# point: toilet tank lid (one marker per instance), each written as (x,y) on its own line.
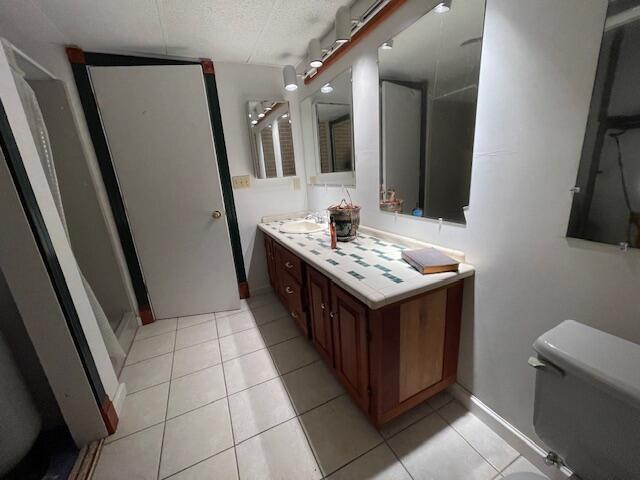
(596,356)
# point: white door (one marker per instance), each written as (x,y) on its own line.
(157,125)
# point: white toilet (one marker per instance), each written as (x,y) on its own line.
(587,402)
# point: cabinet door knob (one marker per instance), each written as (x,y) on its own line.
(288,265)
(288,290)
(294,314)
(322,306)
(332,315)
(216,214)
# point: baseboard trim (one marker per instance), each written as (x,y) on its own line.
(510,434)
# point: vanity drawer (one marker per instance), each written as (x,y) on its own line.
(293,297)
(290,263)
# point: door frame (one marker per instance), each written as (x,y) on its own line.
(79,61)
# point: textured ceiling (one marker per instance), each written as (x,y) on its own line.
(253,31)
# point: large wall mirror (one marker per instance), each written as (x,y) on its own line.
(269,124)
(428,92)
(606,202)
(327,130)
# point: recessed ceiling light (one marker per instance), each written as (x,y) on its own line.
(326,88)
(443,7)
(387,45)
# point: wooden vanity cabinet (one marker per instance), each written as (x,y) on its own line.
(390,359)
(318,287)
(286,272)
(351,345)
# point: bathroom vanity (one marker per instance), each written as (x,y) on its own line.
(389,333)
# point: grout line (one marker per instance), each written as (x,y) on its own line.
(412,423)
(150,358)
(136,340)
(201,461)
(195,371)
(196,408)
(297,416)
(510,463)
(255,325)
(467,441)
(166,411)
(147,388)
(226,391)
(200,342)
(398,458)
(356,458)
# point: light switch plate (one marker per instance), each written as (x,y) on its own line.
(241,181)
(296,183)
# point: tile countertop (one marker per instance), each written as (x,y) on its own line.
(370,267)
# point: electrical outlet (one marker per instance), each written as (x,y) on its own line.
(241,181)
(296,183)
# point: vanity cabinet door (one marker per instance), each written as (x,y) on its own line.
(350,344)
(294,300)
(319,305)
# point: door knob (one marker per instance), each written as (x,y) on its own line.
(216,214)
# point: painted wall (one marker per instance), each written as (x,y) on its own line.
(238,84)
(538,65)
(24,25)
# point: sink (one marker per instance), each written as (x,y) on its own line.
(301,226)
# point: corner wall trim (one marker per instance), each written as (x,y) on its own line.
(243,288)
(510,434)
(77,58)
(109,415)
(223,169)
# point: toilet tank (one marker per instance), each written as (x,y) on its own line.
(587,401)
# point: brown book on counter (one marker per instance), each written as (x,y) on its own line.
(430,260)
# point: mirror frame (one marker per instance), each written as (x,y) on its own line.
(253,146)
(312,152)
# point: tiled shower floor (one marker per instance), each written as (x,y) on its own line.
(242,395)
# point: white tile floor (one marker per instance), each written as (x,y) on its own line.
(242,395)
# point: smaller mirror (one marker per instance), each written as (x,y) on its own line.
(271,140)
(327,130)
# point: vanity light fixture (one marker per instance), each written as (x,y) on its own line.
(326,88)
(387,45)
(314,52)
(343,25)
(443,7)
(290,78)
